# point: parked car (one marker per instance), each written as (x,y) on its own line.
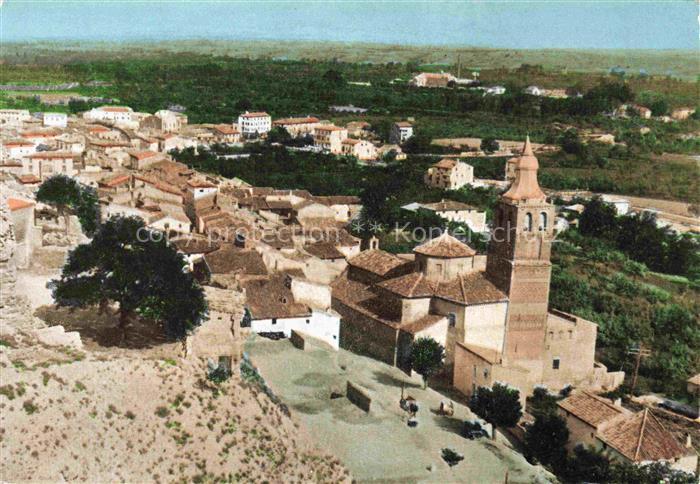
(473,430)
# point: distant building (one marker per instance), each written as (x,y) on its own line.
(494,91)
(14,117)
(57,120)
(622,206)
(347,109)
(361,149)
(252,124)
(113,114)
(48,163)
(226,133)
(432,79)
(534,91)
(449,174)
(297,127)
(329,137)
(400,132)
(16,149)
(459,212)
(622,435)
(680,114)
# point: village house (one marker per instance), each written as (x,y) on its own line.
(297,127)
(681,114)
(693,385)
(55,120)
(363,150)
(276,307)
(17,149)
(141,160)
(165,121)
(226,133)
(359,129)
(459,212)
(622,435)
(112,114)
(391,150)
(432,79)
(254,124)
(68,142)
(494,91)
(625,110)
(22,214)
(14,118)
(449,174)
(40,137)
(328,137)
(534,91)
(45,164)
(400,132)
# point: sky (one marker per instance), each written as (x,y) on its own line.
(530,24)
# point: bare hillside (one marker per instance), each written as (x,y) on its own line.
(70,415)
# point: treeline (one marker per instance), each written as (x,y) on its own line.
(642,240)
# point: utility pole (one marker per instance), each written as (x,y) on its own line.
(641,352)
(459,66)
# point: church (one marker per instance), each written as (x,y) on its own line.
(489,312)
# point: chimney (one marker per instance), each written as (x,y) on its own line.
(688,441)
(373,243)
(617,402)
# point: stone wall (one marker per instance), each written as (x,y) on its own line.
(358,396)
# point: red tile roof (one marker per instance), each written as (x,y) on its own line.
(445,246)
(590,408)
(285,121)
(115,109)
(641,438)
(142,155)
(18,204)
(115,181)
(29,179)
(52,154)
(259,114)
(376,261)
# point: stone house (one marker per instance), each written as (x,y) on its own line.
(681,114)
(361,149)
(297,127)
(400,132)
(55,120)
(449,174)
(226,133)
(432,79)
(17,149)
(459,212)
(141,160)
(328,137)
(693,385)
(624,436)
(14,117)
(45,164)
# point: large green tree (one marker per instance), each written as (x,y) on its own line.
(546,438)
(126,263)
(499,405)
(427,357)
(70,197)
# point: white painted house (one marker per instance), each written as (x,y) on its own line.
(254,124)
(113,114)
(55,120)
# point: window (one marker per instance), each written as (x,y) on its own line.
(274,320)
(528,222)
(486,373)
(555,364)
(543,221)
(452,318)
(439,268)
(571,334)
(307,321)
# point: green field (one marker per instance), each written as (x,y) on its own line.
(680,63)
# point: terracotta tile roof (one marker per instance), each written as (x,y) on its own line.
(590,408)
(271,298)
(422,324)
(446,163)
(695,380)
(226,129)
(18,204)
(328,127)
(28,179)
(11,164)
(229,260)
(199,183)
(403,124)
(445,246)
(350,141)
(259,114)
(338,200)
(142,155)
(525,185)
(279,204)
(18,143)
(470,289)
(195,245)
(361,298)
(641,437)
(307,120)
(115,109)
(98,129)
(324,250)
(39,134)
(115,181)
(448,206)
(376,261)
(297,193)
(413,285)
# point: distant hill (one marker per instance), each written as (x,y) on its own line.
(678,63)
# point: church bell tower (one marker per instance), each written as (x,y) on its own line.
(518,260)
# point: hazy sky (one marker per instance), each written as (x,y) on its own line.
(670,24)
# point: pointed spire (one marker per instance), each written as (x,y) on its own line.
(526,186)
